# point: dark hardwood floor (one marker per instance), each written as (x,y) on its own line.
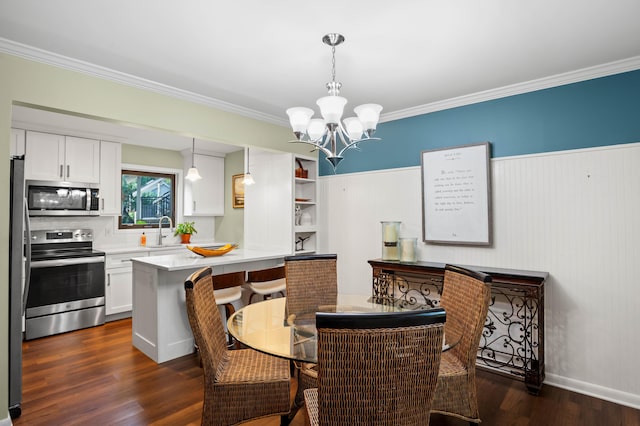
(95,376)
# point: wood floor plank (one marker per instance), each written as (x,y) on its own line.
(95,376)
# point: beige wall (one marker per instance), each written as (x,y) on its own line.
(145,156)
(230,227)
(41,85)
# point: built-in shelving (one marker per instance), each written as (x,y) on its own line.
(305,171)
(281,209)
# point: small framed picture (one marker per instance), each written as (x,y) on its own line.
(237,191)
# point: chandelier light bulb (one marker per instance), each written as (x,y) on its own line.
(369,114)
(354,128)
(317,128)
(331,108)
(299,118)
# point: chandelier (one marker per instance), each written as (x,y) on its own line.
(329,134)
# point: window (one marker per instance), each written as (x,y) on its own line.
(146,197)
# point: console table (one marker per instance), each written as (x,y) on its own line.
(512,341)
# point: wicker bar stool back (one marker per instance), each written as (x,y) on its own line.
(376,369)
(238,384)
(227,288)
(266,282)
(465,296)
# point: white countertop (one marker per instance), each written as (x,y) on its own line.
(152,247)
(190,260)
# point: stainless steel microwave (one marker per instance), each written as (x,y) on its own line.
(62,198)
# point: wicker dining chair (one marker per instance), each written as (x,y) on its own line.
(238,384)
(312,281)
(266,282)
(465,297)
(376,368)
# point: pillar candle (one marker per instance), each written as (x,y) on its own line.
(407,249)
(390,233)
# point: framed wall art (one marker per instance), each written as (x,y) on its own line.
(456,195)
(237,191)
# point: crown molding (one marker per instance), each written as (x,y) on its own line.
(54,59)
(49,58)
(611,68)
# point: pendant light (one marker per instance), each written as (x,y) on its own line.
(192,174)
(248,179)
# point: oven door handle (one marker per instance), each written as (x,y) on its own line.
(66,262)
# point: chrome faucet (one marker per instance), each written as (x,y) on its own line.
(160,236)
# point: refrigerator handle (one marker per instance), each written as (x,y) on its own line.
(27,266)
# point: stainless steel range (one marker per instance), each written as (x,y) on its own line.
(66,290)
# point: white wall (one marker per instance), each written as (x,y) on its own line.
(574,214)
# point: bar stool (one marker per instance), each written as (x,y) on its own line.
(267,282)
(227,288)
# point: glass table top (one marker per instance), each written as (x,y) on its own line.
(264,327)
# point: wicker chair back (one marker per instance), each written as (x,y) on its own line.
(312,281)
(385,375)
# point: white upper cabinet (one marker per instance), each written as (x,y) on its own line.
(17,142)
(205,197)
(62,158)
(110,176)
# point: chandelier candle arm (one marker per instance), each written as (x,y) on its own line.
(323,134)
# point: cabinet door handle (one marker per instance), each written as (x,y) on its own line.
(68,169)
(102,203)
(108,280)
(61,168)
(194,206)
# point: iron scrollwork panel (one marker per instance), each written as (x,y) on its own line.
(510,339)
(417,291)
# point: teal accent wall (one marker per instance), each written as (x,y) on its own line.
(598,112)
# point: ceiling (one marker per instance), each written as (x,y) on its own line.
(258,58)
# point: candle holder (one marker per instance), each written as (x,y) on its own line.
(408,250)
(390,232)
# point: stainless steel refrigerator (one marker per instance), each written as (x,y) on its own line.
(19,266)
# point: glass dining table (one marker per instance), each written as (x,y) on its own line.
(263,326)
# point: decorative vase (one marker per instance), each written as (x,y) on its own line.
(185,238)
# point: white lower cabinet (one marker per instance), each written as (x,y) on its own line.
(119,278)
(118,282)
(118,294)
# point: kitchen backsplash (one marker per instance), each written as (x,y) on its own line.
(106,233)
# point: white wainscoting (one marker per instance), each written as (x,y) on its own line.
(574,214)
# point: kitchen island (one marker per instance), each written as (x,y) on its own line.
(160,324)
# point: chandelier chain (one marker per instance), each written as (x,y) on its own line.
(333,63)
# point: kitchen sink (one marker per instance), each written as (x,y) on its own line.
(164,246)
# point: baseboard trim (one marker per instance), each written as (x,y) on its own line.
(6,421)
(597,391)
